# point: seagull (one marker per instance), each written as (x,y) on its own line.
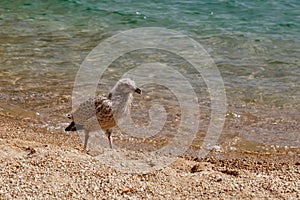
(106,110)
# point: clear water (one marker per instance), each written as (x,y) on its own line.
(255,44)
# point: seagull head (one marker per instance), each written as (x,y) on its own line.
(125,86)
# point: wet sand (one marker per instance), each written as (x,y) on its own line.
(38,163)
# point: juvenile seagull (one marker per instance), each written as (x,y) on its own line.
(104,110)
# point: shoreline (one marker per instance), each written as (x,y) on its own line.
(42,164)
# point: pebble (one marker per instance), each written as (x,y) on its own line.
(64,172)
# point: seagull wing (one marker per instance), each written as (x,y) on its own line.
(88,109)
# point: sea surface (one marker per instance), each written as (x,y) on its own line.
(255,45)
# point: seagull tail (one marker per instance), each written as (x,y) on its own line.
(74,127)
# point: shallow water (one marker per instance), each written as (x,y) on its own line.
(255,45)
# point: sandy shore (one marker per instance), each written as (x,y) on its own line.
(40,164)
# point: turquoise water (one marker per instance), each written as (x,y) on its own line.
(255,45)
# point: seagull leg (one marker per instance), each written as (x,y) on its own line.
(108,134)
(86,138)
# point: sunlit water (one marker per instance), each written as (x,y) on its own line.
(255,45)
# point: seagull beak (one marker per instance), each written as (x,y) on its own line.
(138,90)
